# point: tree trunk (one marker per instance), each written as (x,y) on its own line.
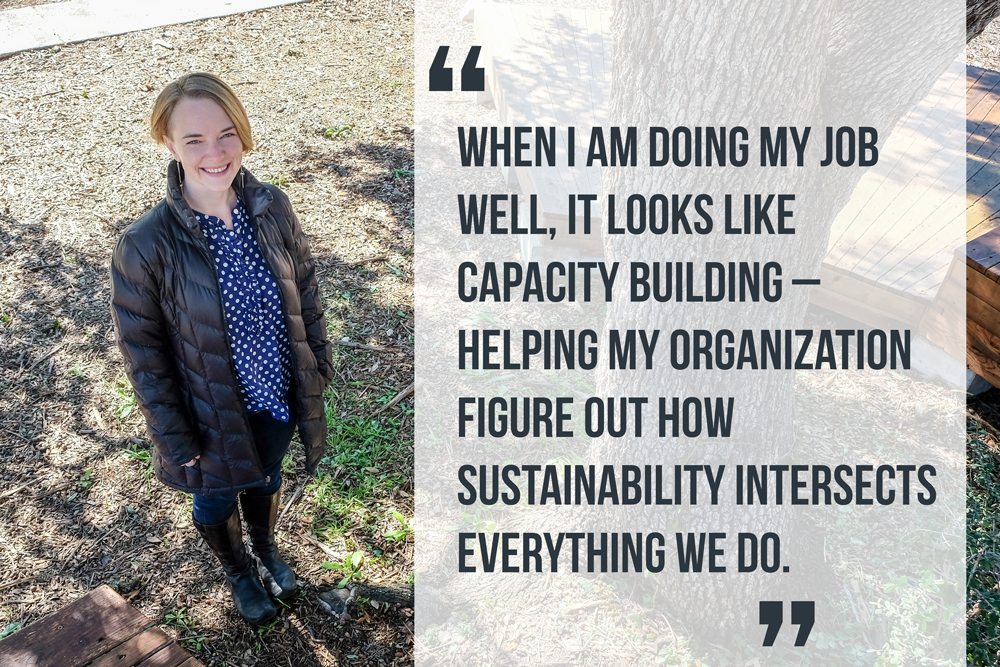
(751,64)
(979,14)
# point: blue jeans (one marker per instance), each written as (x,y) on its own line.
(271,437)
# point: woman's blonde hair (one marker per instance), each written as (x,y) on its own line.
(199,85)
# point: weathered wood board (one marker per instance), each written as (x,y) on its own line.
(100,629)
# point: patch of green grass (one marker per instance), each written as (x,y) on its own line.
(367,458)
(337,131)
(406,174)
(79,370)
(143,456)
(265,630)
(281,180)
(982,548)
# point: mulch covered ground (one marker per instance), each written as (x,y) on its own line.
(328,87)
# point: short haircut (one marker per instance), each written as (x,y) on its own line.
(199,85)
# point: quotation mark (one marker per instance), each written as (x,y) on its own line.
(473,78)
(803,615)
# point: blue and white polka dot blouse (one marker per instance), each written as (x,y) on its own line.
(252,307)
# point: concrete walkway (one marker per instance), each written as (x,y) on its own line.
(79,20)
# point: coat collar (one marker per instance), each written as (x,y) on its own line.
(255,196)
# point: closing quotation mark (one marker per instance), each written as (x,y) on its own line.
(473,78)
(803,615)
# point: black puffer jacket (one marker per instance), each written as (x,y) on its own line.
(172,332)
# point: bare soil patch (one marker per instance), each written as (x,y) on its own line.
(328,86)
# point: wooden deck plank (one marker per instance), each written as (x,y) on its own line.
(904,228)
(916,238)
(134,650)
(984,139)
(878,209)
(865,301)
(171,655)
(983,255)
(983,352)
(986,81)
(904,210)
(76,634)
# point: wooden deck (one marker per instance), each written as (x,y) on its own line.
(892,252)
(983,249)
(100,629)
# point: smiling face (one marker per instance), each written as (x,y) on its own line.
(202,137)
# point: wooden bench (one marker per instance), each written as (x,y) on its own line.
(100,629)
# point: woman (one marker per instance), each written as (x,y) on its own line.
(218,316)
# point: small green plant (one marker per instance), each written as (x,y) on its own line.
(193,643)
(85,481)
(350,568)
(126,400)
(406,174)
(83,94)
(400,534)
(265,630)
(142,456)
(395,84)
(280,180)
(337,131)
(79,370)
(10,629)
(180,619)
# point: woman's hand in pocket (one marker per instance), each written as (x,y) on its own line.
(192,461)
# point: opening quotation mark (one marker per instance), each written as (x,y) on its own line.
(772,615)
(473,78)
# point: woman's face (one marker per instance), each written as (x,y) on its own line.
(202,137)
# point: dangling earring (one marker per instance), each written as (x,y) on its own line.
(243,180)
(180,174)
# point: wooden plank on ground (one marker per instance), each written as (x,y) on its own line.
(982,313)
(171,655)
(76,634)
(134,650)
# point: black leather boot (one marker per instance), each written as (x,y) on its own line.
(226,541)
(261,515)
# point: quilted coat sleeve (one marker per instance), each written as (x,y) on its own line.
(312,306)
(142,338)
